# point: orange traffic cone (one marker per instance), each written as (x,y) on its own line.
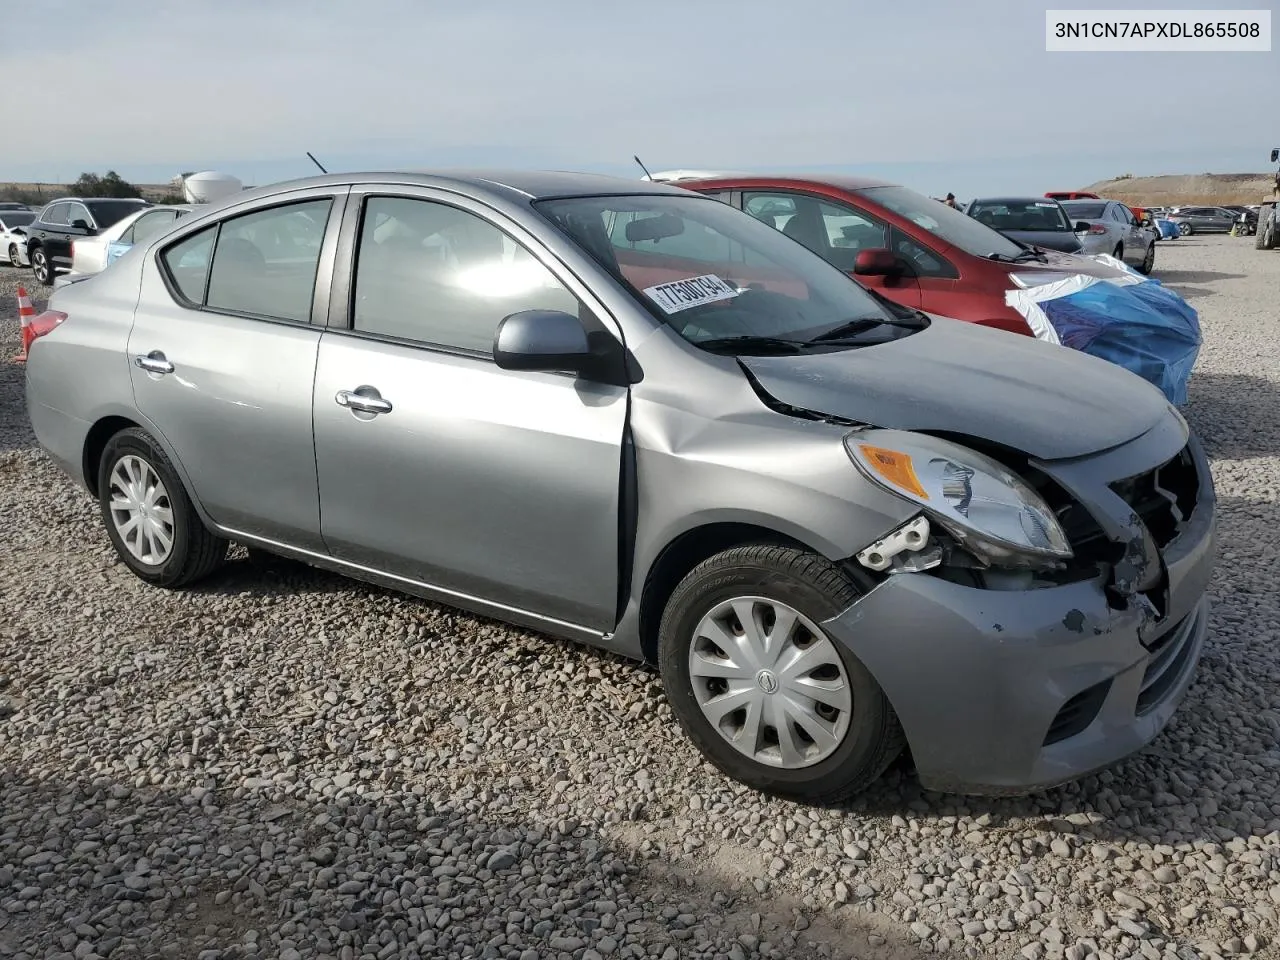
(26,312)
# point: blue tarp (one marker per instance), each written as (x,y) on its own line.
(1143,327)
(1131,320)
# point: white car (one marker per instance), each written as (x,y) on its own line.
(90,255)
(13,236)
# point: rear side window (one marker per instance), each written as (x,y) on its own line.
(57,214)
(187,264)
(264,263)
(147,225)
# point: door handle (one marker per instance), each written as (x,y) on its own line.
(356,401)
(154,362)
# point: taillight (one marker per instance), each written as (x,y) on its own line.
(1097,229)
(73,249)
(39,326)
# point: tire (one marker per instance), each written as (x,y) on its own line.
(1185,230)
(41,267)
(1149,260)
(1265,236)
(13,255)
(193,552)
(864,738)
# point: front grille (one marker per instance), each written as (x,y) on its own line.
(1164,497)
(1169,655)
(1077,713)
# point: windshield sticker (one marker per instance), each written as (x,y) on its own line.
(682,294)
(1041,204)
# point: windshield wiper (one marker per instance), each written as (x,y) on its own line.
(859,325)
(1031,253)
(750,342)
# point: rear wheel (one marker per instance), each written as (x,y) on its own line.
(1185,229)
(41,267)
(151,521)
(1148,261)
(759,686)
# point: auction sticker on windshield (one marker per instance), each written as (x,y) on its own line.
(682,294)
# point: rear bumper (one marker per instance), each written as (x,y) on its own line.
(1014,691)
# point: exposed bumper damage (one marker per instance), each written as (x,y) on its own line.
(1010,690)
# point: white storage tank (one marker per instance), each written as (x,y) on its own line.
(209,186)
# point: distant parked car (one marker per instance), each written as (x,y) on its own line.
(1071,195)
(1246,218)
(1035,221)
(50,235)
(1192,220)
(1108,226)
(93,254)
(913,250)
(13,236)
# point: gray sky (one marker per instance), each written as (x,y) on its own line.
(940,94)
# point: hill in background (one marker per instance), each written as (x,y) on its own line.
(1173,189)
(44,192)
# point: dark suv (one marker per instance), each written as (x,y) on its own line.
(62,222)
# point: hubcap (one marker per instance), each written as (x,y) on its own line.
(141,511)
(770,682)
(41,265)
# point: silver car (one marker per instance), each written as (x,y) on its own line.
(628,415)
(1108,226)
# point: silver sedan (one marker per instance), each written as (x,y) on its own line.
(632,416)
(1108,226)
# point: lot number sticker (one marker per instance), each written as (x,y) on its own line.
(683,294)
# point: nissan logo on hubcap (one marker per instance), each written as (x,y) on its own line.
(767,681)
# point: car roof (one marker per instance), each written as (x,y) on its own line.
(1018,200)
(840,180)
(511,184)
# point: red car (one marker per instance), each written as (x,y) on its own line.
(914,250)
(1072,195)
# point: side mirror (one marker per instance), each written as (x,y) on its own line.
(1081,227)
(546,340)
(1275,154)
(878,262)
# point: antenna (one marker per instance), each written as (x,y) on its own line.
(316,162)
(643,167)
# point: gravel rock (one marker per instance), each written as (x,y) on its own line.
(284,763)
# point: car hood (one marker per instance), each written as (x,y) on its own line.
(1047,401)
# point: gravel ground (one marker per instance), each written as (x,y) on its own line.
(286,764)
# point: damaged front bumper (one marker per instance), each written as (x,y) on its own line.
(1008,691)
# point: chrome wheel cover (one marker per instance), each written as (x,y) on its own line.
(140,510)
(770,682)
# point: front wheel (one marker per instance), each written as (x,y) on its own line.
(151,521)
(13,255)
(767,695)
(41,267)
(1185,229)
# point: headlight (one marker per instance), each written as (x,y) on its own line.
(989,509)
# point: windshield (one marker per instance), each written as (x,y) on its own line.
(107,212)
(958,229)
(1084,209)
(712,272)
(1040,216)
(12,218)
